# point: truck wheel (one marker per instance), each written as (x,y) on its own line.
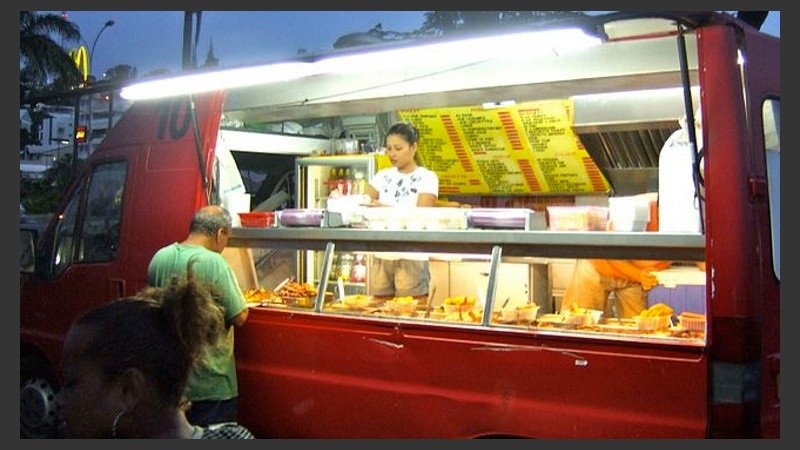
(38,412)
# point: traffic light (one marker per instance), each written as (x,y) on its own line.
(80,134)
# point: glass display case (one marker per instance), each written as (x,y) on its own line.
(535,313)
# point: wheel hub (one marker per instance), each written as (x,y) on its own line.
(38,410)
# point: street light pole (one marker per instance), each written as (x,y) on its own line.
(109,23)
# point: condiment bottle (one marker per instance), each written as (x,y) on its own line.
(359,272)
(345,265)
(359,183)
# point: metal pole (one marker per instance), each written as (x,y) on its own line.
(110,111)
(75,119)
(109,23)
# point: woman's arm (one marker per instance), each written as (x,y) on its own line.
(425,199)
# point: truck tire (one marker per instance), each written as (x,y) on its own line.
(38,411)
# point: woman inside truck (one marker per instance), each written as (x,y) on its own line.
(405,184)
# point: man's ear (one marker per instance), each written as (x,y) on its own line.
(220,233)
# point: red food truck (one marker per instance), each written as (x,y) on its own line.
(538,135)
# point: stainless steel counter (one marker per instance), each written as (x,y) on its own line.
(514,243)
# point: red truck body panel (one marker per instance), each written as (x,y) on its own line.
(316,375)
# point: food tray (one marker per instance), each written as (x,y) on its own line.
(300,217)
(693,324)
(399,307)
(584,317)
(506,218)
(652,323)
(523,313)
(358,301)
(309,218)
(257,219)
(414,218)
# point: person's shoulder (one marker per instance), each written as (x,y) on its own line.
(227,430)
(167,249)
(425,172)
(387,171)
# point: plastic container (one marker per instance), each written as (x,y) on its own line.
(585,317)
(257,219)
(652,323)
(692,323)
(630,213)
(526,313)
(577,218)
(678,207)
(455,309)
(415,218)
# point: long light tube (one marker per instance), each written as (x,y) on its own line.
(217,80)
(468,50)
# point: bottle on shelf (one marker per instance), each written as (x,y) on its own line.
(358,274)
(332,182)
(348,181)
(340,181)
(334,273)
(345,266)
(359,183)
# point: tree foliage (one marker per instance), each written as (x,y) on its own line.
(454,22)
(41,196)
(42,60)
(120,72)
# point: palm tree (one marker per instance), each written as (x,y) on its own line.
(42,60)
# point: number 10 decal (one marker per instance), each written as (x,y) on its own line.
(174,113)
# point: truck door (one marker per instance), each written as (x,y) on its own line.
(136,193)
(763,86)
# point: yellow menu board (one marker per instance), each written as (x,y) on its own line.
(526,148)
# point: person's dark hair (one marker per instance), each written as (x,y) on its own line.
(210,219)
(160,331)
(408,132)
(405,129)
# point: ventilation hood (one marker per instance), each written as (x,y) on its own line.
(624,133)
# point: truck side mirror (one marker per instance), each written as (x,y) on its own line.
(27,254)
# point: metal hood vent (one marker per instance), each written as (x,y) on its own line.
(624,134)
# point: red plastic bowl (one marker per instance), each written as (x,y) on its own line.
(257,219)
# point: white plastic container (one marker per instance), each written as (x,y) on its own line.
(235,203)
(678,207)
(577,218)
(631,213)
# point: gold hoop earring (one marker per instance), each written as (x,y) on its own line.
(115,423)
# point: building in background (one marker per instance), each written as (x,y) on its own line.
(56,133)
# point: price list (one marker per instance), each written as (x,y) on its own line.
(520,149)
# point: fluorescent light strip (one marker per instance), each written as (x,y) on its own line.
(217,80)
(526,45)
